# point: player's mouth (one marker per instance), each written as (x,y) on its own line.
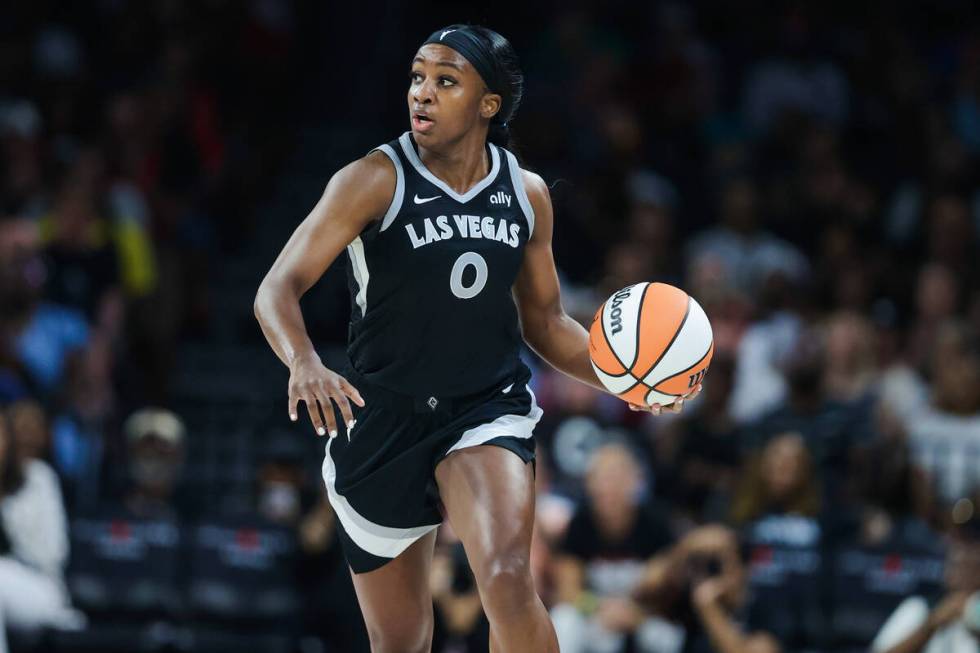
(421,123)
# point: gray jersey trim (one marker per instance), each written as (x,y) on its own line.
(361,274)
(413,158)
(396,201)
(517,178)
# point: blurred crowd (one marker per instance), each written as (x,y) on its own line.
(809,175)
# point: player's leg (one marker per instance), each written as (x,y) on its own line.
(396,602)
(488,493)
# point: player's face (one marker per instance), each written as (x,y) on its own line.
(446,96)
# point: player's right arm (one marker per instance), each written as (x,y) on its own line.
(356,195)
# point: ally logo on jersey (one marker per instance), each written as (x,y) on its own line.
(464,226)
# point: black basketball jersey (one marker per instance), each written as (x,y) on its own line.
(430,282)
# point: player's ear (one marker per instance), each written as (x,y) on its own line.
(490,105)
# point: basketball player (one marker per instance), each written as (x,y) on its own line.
(449,242)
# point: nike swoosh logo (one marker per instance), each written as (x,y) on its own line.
(420,200)
(446,32)
(507,389)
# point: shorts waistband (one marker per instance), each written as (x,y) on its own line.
(430,404)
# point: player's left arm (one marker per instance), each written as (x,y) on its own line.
(547,329)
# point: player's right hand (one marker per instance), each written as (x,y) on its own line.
(315,385)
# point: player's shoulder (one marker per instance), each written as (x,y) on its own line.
(366,185)
(373,171)
(533,183)
(538,195)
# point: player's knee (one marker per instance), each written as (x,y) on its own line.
(409,637)
(505,578)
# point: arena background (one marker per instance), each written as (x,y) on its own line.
(808,173)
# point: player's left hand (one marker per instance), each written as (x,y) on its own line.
(675,407)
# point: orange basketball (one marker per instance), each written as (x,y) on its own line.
(650,343)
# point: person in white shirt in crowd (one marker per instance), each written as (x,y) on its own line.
(33,544)
(945,436)
(953,624)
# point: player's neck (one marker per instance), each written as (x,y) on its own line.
(462,165)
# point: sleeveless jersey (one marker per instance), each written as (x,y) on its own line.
(430,282)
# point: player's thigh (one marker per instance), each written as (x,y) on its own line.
(488,492)
(395,598)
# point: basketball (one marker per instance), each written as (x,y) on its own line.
(650,343)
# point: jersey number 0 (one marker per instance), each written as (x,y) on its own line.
(456,277)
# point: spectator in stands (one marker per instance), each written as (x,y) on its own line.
(937,299)
(700,586)
(892,499)
(748,253)
(42,336)
(952,624)
(30,429)
(459,613)
(612,535)
(33,543)
(80,248)
(696,456)
(155,439)
(945,437)
(850,371)
(797,79)
(781,480)
(828,427)
(281,481)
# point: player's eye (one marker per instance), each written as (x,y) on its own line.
(415,77)
(443,80)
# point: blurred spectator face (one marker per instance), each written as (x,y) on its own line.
(622,130)
(651,225)
(156,451)
(279,491)
(805,367)
(738,206)
(30,428)
(950,232)
(612,482)
(957,385)
(963,565)
(936,292)
(22,158)
(154,466)
(627,263)
(22,271)
(18,237)
(785,467)
(848,341)
(951,343)
(75,212)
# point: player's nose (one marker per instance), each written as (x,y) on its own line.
(423,93)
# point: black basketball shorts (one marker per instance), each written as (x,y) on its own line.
(381,480)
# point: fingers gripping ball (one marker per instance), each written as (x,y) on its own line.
(650,343)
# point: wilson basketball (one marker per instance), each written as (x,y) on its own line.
(650,343)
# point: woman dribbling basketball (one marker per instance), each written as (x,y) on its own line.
(449,242)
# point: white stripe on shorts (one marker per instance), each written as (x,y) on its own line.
(382,541)
(518,426)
